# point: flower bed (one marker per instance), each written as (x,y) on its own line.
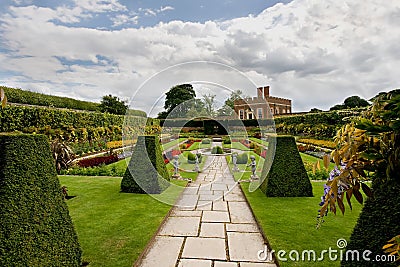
(169,155)
(92,162)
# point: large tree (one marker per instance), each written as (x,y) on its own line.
(351,102)
(113,105)
(209,104)
(227,108)
(177,101)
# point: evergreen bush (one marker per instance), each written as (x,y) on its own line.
(286,175)
(217,150)
(35,228)
(242,158)
(146,172)
(377,224)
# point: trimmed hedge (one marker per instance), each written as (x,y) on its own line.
(378,223)
(20,96)
(146,172)
(287,176)
(217,150)
(35,228)
(242,158)
(15,95)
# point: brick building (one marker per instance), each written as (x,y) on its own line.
(257,107)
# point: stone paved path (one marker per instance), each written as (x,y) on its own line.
(212,226)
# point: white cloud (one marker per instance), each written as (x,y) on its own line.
(166,8)
(99,6)
(316,53)
(154,12)
(123,19)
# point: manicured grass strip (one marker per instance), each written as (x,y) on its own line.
(113,228)
(173,143)
(238,145)
(289,224)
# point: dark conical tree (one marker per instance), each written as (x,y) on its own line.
(286,175)
(377,224)
(146,172)
(35,228)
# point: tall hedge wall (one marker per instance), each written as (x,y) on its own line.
(287,176)
(18,118)
(35,228)
(146,172)
(15,95)
(379,221)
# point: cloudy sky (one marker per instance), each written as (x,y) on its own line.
(314,52)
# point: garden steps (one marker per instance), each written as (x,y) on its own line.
(211,225)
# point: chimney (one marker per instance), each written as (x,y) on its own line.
(260,92)
(266,92)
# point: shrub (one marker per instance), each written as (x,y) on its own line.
(242,158)
(146,172)
(286,175)
(206,141)
(378,222)
(318,175)
(227,140)
(192,158)
(35,229)
(217,150)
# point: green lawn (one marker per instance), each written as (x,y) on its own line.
(236,145)
(289,223)
(173,143)
(113,227)
(264,143)
(312,159)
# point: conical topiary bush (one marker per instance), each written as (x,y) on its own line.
(35,228)
(146,172)
(286,175)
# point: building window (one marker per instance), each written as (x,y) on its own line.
(259,113)
(277,111)
(283,111)
(241,114)
(272,111)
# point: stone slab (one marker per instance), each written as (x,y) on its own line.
(215,216)
(164,249)
(220,205)
(181,226)
(204,205)
(245,246)
(204,248)
(212,230)
(185,213)
(242,227)
(225,264)
(240,212)
(194,263)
